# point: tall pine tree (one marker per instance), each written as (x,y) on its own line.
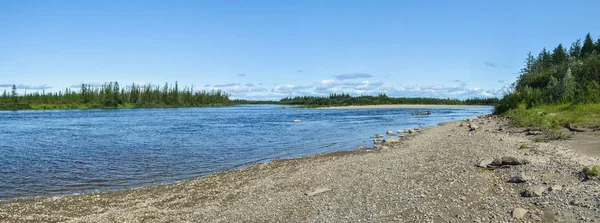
(14,91)
(559,55)
(588,46)
(575,50)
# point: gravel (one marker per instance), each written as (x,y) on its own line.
(429,176)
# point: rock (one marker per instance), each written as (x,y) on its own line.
(519,213)
(297,120)
(380,147)
(578,202)
(555,188)
(411,131)
(400,131)
(533,133)
(537,191)
(390,132)
(392,140)
(473,127)
(519,178)
(497,162)
(513,161)
(317,191)
(378,135)
(485,162)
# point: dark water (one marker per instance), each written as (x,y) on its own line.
(47,153)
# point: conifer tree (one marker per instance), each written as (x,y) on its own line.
(14,91)
(575,50)
(559,55)
(588,46)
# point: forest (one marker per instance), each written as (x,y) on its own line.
(562,82)
(381,99)
(112,95)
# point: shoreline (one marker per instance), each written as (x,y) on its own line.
(424,177)
(401,106)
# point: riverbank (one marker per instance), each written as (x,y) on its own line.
(424,177)
(400,106)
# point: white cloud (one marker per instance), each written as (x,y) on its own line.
(288,88)
(236,90)
(366,85)
(454,89)
(440,91)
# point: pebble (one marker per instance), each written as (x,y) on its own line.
(519,213)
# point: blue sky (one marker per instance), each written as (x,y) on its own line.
(274,49)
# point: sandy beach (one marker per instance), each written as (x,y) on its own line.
(425,177)
(398,106)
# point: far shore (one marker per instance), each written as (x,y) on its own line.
(400,106)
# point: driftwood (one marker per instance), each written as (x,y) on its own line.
(570,128)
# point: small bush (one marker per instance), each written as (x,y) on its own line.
(593,171)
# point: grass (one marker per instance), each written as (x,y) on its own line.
(548,117)
(523,146)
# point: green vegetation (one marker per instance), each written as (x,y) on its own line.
(523,146)
(556,116)
(594,171)
(557,88)
(111,95)
(381,99)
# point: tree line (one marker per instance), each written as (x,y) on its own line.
(112,95)
(381,99)
(557,76)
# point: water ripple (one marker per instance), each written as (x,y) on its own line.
(49,153)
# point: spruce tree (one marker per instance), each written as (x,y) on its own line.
(544,58)
(529,64)
(575,50)
(559,55)
(588,46)
(14,91)
(598,46)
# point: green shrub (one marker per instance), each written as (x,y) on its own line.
(593,171)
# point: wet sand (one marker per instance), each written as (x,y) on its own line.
(428,176)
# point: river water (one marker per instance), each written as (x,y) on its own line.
(49,153)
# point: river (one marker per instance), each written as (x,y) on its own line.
(50,153)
